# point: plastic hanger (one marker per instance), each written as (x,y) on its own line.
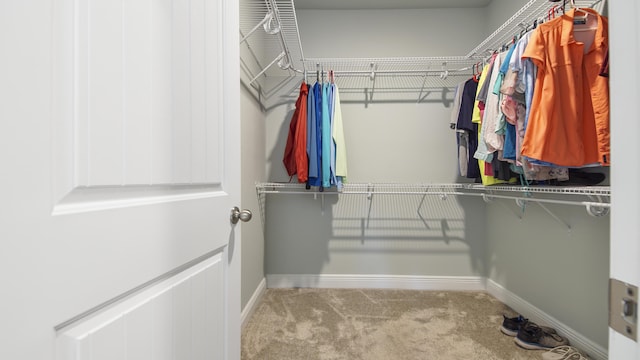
(580,17)
(269,26)
(551,13)
(584,13)
(476,72)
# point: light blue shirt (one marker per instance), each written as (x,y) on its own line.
(326,137)
(311,134)
(332,109)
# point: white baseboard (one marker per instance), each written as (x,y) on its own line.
(518,304)
(250,308)
(452,283)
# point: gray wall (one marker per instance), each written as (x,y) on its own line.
(253,171)
(387,141)
(499,11)
(389,33)
(563,272)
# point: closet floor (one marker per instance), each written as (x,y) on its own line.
(369,324)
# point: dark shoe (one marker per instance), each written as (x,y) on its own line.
(578,177)
(534,337)
(510,326)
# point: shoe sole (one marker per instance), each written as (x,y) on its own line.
(531,346)
(508,332)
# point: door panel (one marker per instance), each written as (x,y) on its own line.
(122,170)
(143,101)
(174,319)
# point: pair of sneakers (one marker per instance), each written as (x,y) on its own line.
(530,335)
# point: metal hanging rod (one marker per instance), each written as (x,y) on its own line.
(398,65)
(418,73)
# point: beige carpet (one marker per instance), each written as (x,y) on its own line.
(339,324)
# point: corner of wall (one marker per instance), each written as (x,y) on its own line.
(252,305)
(253,167)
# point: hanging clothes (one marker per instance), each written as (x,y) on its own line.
(312,148)
(525,76)
(457,99)
(466,124)
(485,149)
(295,152)
(326,136)
(569,120)
(300,144)
(321,141)
(332,109)
(487,169)
(316,141)
(339,141)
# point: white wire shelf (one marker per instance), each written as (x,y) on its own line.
(595,199)
(523,19)
(287,43)
(419,189)
(362,188)
(262,50)
(558,190)
(438,65)
(398,75)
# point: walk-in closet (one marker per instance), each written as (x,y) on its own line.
(297,179)
(405,218)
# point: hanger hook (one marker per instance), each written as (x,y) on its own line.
(269,28)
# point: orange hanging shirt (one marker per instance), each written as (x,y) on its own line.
(569,120)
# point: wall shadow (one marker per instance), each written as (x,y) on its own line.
(354,234)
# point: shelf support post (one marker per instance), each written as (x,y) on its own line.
(554,216)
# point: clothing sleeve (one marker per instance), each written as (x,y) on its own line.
(477,115)
(311,135)
(466,107)
(507,59)
(338,136)
(484,90)
(326,138)
(300,145)
(517,62)
(289,158)
(457,102)
(536,50)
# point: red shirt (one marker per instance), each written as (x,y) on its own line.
(295,153)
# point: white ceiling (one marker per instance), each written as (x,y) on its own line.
(387,4)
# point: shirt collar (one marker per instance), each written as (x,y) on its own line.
(567,27)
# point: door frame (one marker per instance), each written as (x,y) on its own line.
(625,194)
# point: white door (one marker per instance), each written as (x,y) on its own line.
(119,136)
(625,127)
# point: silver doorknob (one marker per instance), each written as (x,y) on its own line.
(244,215)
